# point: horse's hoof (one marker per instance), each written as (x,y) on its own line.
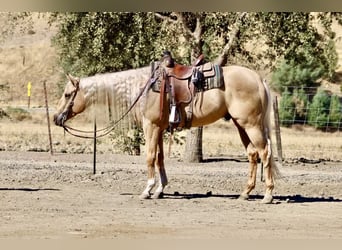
(144,196)
(244,197)
(267,199)
(158,195)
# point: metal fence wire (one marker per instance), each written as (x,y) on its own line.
(325,115)
(299,138)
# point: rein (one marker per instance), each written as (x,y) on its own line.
(105,131)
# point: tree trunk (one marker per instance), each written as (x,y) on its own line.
(193,147)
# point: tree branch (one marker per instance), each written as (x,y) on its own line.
(167,18)
(186,29)
(222,58)
(193,37)
(180,19)
(198,30)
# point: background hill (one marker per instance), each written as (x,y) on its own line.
(29,57)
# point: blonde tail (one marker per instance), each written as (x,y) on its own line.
(270,162)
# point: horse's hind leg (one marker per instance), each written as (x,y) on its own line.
(253,161)
(257,146)
(269,167)
(262,149)
(253,165)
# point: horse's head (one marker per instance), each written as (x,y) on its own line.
(71,103)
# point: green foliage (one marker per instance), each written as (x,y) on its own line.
(289,34)
(176,138)
(128,142)
(293,37)
(287,109)
(291,75)
(96,42)
(301,102)
(331,58)
(335,114)
(325,111)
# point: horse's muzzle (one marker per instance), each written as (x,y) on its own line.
(59,119)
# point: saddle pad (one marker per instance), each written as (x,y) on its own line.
(155,77)
(215,81)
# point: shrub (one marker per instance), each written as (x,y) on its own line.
(335,114)
(18,114)
(319,110)
(128,141)
(286,109)
(301,103)
(3,113)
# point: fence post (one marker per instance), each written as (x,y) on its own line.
(94,160)
(47,115)
(29,85)
(277,130)
(95,128)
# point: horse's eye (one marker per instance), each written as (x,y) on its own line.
(67,95)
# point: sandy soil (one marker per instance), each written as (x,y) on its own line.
(44,196)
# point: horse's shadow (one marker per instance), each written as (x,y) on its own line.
(277,198)
(24,189)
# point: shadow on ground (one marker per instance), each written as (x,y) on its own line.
(277,198)
(29,189)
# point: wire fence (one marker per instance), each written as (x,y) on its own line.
(299,138)
(313,125)
(322,110)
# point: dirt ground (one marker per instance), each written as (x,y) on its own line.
(59,197)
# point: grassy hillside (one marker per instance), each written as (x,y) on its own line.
(28,57)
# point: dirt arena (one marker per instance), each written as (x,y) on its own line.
(58,197)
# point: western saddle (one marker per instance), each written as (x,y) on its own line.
(182,82)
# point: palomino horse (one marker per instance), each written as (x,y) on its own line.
(243,97)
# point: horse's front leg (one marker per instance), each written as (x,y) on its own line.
(162,173)
(152,133)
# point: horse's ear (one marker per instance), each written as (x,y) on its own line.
(75,81)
